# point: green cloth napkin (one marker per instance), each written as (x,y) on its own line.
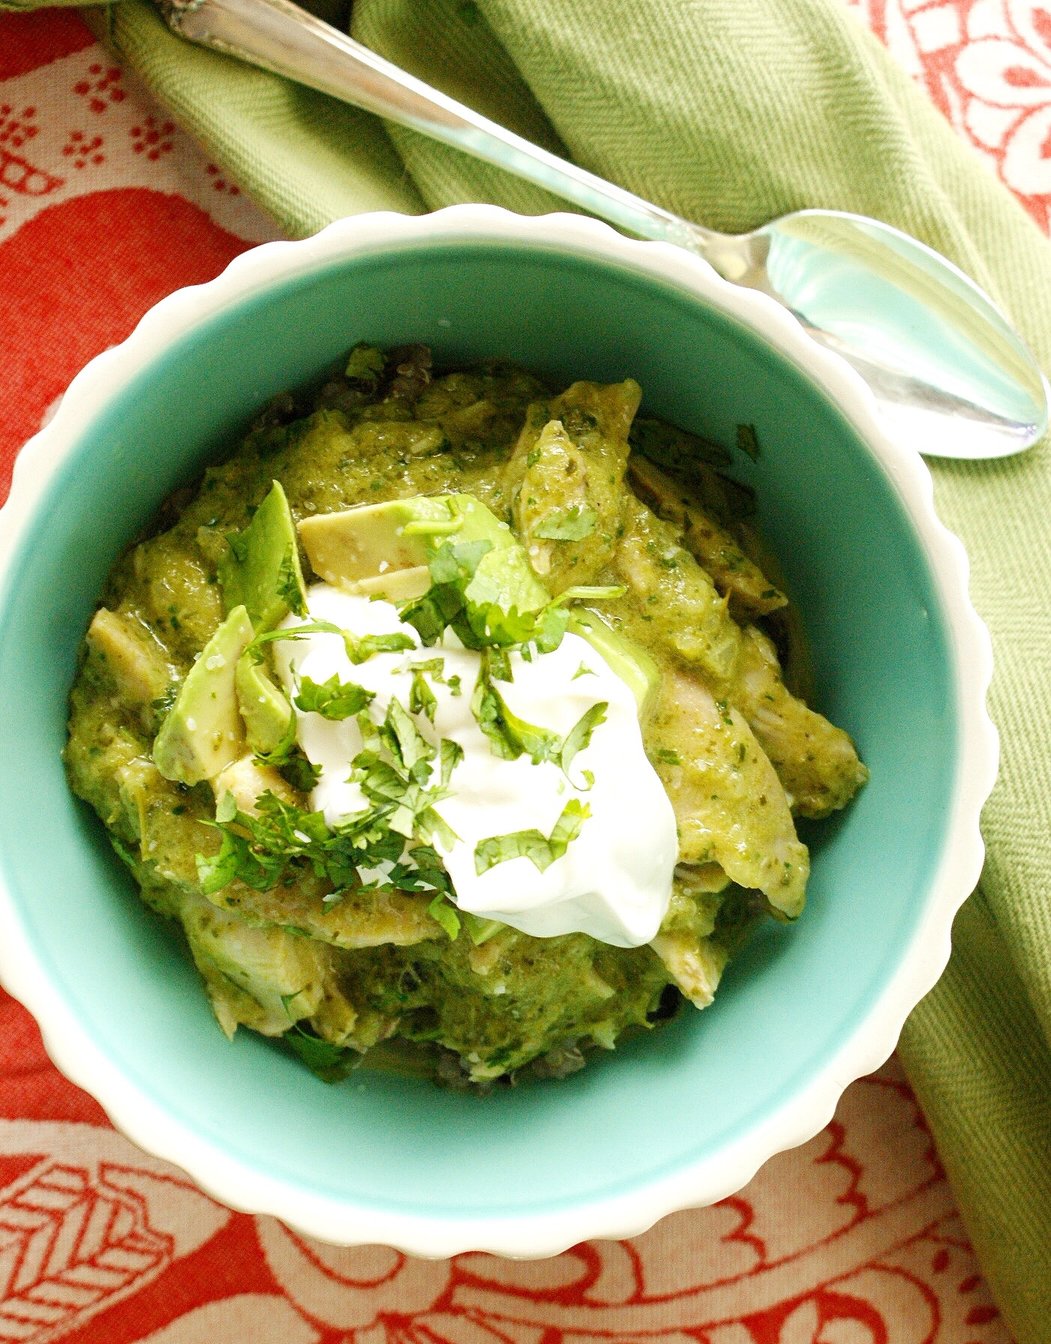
(731,112)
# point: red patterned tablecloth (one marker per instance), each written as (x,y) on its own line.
(852,1239)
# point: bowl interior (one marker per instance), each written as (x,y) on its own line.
(793,999)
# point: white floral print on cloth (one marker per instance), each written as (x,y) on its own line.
(987,65)
(851,1239)
(79,125)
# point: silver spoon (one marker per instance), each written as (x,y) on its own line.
(949,374)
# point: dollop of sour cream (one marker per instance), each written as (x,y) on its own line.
(614,879)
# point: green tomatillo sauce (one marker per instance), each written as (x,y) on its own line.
(502,514)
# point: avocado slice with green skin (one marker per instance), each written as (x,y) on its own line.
(203,731)
(631,663)
(373,540)
(400,585)
(261,570)
(383,550)
(269,719)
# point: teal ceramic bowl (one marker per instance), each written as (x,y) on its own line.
(684,1116)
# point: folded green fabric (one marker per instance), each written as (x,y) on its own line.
(731,112)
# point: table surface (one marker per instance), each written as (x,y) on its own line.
(105,206)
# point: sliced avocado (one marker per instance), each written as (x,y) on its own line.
(269,720)
(400,585)
(384,550)
(131,657)
(203,731)
(399,534)
(261,570)
(505,578)
(631,663)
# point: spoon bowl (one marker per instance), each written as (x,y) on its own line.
(949,373)
(677,1117)
(951,378)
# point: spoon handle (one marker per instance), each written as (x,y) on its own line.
(281,37)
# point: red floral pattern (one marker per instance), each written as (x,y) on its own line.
(851,1239)
(987,65)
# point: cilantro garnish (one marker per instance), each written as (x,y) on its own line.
(407,744)
(444,604)
(509,735)
(572,524)
(359,648)
(394,770)
(422,699)
(290,584)
(579,736)
(331,1063)
(362,647)
(542,850)
(478,620)
(332,699)
(364,367)
(421,870)
(444,913)
(450,755)
(748,441)
(404,775)
(260,849)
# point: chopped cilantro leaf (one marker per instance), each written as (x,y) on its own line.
(302,774)
(290,584)
(265,848)
(450,755)
(331,1063)
(359,647)
(443,912)
(225,807)
(748,441)
(364,367)
(433,828)
(332,699)
(424,871)
(579,736)
(478,621)
(572,524)
(542,850)
(422,699)
(122,851)
(219,870)
(406,743)
(509,735)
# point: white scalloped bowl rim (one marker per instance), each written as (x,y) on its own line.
(242,1186)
